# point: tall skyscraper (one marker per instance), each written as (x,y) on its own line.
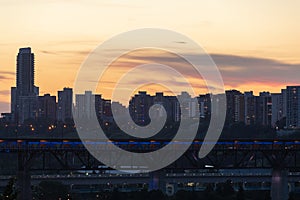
(25,72)
(24,96)
(65,104)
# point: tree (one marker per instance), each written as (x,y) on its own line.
(9,191)
(227,188)
(241,194)
(49,190)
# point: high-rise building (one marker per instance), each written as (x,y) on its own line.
(14,104)
(264,109)
(239,108)
(174,108)
(189,107)
(65,104)
(284,102)
(277,107)
(231,104)
(88,105)
(25,72)
(250,108)
(293,106)
(139,107)
(160,99)
(24,96)
(47,107)
(204,102)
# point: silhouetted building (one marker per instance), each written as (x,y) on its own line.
(204,102)
(277,107)
(239,108)
(189,107)
(231,104)
(24,96)
(284,102)
(250,108)
(47,107)
(14,105)
(88,105)
(139,107)
(107,117)
(98,105)
(25,72)
(293,106)
(65,104)
(173,109)
(6,117)
(264,109)
(27,108)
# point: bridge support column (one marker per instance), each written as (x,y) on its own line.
(279,188)
(157,181)
(291,187)
(23,178)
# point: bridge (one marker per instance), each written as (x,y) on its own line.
(40,155)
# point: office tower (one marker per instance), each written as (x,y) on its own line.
(293,106)
(47,107)
(65,105)
(24,96)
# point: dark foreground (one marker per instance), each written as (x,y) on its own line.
(51,190)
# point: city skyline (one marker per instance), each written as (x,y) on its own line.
(257,50)
(267,109)
(151,89)
(26,103)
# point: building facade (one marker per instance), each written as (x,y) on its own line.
(293,106)
(24,97)
(65,105)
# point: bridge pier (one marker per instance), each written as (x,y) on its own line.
(23,177)
(279,187)
(157,181)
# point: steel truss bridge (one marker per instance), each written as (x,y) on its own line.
(59,155)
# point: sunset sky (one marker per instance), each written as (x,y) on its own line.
(255,44)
